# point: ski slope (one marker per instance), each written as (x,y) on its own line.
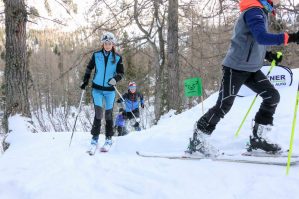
(42,166)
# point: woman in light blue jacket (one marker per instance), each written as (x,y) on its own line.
(108,71)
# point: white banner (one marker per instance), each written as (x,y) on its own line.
(280,76)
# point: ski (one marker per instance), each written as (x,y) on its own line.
(280,161)
(92,149)
(264,154)
(168,156)
(105,148)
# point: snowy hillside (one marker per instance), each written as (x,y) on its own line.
(43,166)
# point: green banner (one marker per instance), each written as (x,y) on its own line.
(193,87)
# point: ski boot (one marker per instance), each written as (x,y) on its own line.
(94,140)
(260,141)
(136,126)
(93,145)
(198,144)
(107,145)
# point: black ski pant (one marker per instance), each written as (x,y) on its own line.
(96,127)
(122,130)
(232,81)
(129,115)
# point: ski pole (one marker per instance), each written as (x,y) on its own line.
(293,131)
(124,101)
(273,64)
(79,110)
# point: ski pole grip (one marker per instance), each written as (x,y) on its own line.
(278,55)
(273,63)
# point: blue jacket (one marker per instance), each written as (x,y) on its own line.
(254,20)
(120,121)
(131,101)
(106,67)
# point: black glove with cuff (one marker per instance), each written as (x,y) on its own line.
(273,56)
(294,38)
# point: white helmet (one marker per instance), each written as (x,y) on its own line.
(108,37)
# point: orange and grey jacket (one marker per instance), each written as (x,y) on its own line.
(250,38)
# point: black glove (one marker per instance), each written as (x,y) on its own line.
(136,124)
(294,37)
(142,105)
(85,81)
(119,100)
(83,85)
(273,56)
(112,82)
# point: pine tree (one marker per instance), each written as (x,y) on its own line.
(16,69)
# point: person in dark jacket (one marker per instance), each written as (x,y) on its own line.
(133,99)
(109,70)
(242,65)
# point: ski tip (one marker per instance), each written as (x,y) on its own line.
(137,152)
(104,150)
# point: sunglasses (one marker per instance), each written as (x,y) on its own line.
(132,87)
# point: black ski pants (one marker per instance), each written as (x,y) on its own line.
(96,127)
(232,81)
(122,130)
(129,115)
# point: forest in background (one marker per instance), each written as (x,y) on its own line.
(56,60)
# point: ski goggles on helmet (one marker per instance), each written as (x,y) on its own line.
(132,87)
(268,5)
(107,39)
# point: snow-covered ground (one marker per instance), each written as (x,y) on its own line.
(43,166)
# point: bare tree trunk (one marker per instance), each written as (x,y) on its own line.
(158,90)
(159,63)
(173,57)
(158,51)
(2,138)
(16,71)
(192,54)
(63,94)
